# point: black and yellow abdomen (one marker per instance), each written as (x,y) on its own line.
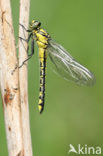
(42,41)
(42,55)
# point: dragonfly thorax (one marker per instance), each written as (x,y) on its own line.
(41,37)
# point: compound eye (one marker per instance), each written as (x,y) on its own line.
(39,24)
(36,23)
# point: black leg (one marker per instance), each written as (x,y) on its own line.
(29,55)
(26,40)
(24,28)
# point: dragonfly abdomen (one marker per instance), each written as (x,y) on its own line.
(42,55)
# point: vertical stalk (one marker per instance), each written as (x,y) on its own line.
(9,82)
(23,79)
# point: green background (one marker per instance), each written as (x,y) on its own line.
(73,114)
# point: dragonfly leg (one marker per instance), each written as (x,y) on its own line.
(24,27)
(26,40)
(29,55)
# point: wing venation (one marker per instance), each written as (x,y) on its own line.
(67,66)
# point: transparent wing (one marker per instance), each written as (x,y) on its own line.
(67,66)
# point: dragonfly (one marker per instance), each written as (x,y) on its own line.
(65,64)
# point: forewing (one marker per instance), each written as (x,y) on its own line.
(67,66)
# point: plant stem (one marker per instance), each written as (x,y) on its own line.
(9,82)
(23,79)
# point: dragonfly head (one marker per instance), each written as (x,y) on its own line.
(34,25)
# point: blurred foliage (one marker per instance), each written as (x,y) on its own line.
(73,114)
